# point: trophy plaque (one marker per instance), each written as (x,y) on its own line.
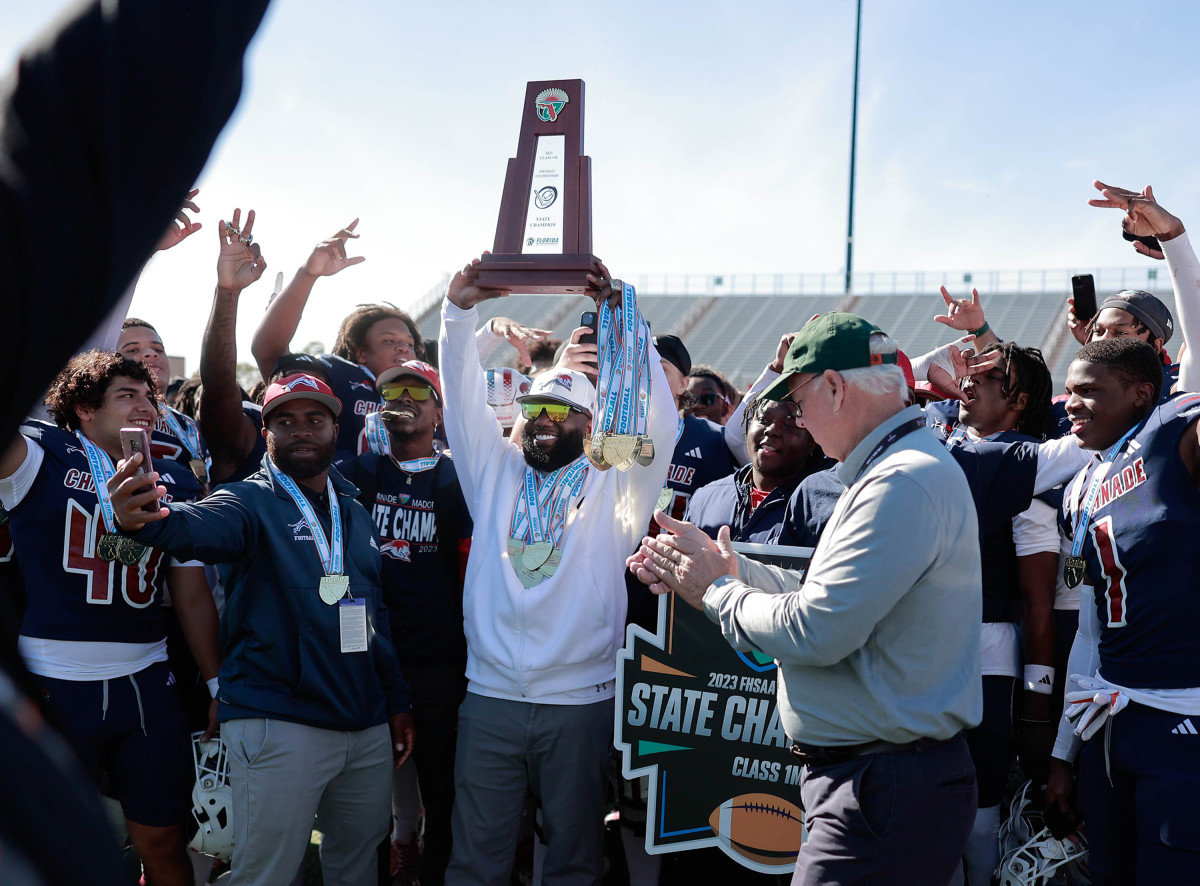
(544,232)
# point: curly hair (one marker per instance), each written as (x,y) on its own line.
(84,381)
(1025,372)
(352,335)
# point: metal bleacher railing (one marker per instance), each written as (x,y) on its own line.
(734,322)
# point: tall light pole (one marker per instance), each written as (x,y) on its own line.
(853,147)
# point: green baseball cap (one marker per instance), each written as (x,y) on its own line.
(832,341)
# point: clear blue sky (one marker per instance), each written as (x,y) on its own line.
(718,132)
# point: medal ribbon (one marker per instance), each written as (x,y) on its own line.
(623,339)
(959,433)
(102,470)
(892,436)
(1084,515)
(549,499)
(330,553)
(416,465)
(185,431)
(377,437)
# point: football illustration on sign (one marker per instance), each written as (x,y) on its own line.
(761,827)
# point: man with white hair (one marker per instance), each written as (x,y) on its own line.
(878,649)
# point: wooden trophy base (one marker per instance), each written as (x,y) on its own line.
(537,274)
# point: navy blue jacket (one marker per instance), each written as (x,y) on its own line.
(726,502)
(280,643)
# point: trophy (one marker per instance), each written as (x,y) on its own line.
(544,232)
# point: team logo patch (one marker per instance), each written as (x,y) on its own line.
(302,382)
(365,385)
(549,104)
(397,549)
(562,381)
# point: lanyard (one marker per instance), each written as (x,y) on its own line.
(958,434)
(416,465)
(330,554)
(892,436)
(548,498)
(623,340)
(1085,514)
(102,469)
(184,431)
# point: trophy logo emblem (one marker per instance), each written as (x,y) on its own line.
(549,104)
(544,198)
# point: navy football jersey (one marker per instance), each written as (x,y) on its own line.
(701,457)
(355,387)
(421,525)
(1142,556)
(1001,489)
(73,593)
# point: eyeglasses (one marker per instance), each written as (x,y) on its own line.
(789,419)
(710,400)
(419,393)
(791,397)
(556,411)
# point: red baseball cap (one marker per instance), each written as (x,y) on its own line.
(300,387)
(906,365)
(411,369)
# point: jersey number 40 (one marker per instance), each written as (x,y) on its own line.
(138,582)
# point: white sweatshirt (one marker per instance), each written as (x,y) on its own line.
(557,642)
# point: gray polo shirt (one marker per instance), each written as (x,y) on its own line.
(881,641)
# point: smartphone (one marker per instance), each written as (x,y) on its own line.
(588,319)
(1084,290)
(1149,242)
(138,440)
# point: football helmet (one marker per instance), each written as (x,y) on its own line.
(1032,856)
(504,385)
(212,799)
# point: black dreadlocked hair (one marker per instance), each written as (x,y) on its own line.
(1025,372)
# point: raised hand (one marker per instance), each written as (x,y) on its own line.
(1079,327)
(518,335)
(463,291)
(329,256)
(602,290)
(176,234)
(240,262)
(579,356)
(1144,217)
(965,363)
(965,314)
(785,344)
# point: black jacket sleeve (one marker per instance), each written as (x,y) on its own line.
(105,124)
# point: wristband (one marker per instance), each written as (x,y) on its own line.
(1039,679)
(212,687)
(982,329)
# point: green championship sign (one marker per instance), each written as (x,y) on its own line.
(700,720)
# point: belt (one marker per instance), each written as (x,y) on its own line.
(811,755)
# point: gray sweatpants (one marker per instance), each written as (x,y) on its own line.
(505,748)
(282,775)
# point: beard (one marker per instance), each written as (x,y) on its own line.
(567,448)
(303,469)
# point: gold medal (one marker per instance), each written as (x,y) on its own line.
(333,587)
(664,499)
(536,554)
(551,565)
(200,469)
(593,448)
(1074,570)
(645,452)
(118,548)
(620,450)
(516,551)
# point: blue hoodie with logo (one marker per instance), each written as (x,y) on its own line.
(280,642)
